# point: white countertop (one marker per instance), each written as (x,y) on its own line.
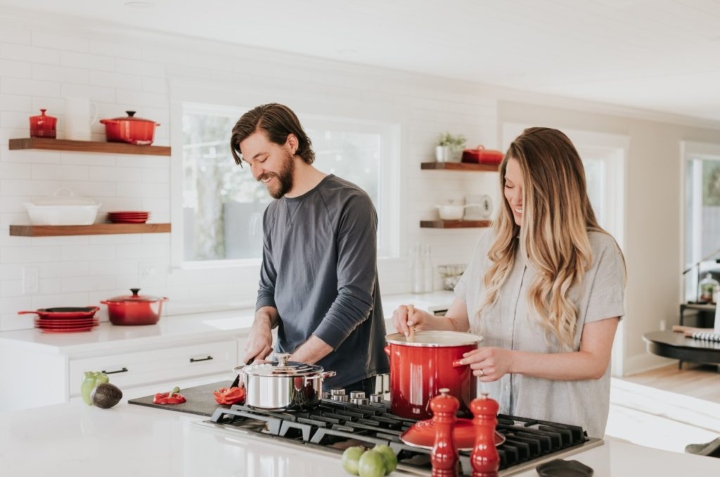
(177,327)
(73,440)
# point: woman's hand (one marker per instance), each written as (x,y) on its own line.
(407,317)
(489,364)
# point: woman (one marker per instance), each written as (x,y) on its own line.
(545,289)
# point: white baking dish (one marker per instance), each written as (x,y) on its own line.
(62,208)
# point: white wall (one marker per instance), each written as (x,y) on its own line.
(41,64)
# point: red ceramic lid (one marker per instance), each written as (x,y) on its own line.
(422,434)
(133,298)
(130,117)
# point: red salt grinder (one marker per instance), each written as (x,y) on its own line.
(444,455)
(484,458)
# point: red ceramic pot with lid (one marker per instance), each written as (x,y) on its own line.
(130,310)
(424,363)
(43,125)
(130,129)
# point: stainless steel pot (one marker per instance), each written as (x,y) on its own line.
(283,385)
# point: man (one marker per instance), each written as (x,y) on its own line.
(318,281)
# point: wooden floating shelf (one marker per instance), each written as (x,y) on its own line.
(458,166)
(94,229)
(454,224)
(87,146)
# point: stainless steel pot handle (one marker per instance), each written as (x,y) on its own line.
(328,374)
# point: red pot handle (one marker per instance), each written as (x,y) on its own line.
(26,312)
(456,363)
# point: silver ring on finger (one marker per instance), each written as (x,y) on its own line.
(482,373)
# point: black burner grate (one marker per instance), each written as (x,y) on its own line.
(334,426)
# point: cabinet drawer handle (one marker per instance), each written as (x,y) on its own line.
(122,370)
(197,360)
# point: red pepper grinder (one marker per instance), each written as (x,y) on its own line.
(43,125)
(444,456)
(484,458)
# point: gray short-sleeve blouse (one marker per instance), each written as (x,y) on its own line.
(506,324)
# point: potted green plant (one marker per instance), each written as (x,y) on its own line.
(449,148)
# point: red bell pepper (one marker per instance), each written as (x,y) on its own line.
(230,396)
(173,397)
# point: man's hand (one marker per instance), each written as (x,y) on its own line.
(259,343)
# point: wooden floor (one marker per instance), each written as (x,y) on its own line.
(695,380)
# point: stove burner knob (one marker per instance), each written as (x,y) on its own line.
(342,398)
(337,392)
(357,395)
(376,398)
(326,395)
(360,401)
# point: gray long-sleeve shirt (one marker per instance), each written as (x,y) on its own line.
(319,271)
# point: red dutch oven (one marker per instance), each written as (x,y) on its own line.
(421,366)
(130,310)
(130,129)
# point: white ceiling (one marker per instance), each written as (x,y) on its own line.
(658,55)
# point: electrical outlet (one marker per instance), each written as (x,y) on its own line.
(30,280)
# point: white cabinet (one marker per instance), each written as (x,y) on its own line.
(128,370)
(40,369)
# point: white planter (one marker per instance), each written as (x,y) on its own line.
(447,154)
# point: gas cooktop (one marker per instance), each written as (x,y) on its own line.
(334,426)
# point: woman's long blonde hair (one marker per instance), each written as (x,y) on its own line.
(557,216)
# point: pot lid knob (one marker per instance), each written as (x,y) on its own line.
(282,359)
(131,113)
(135,291)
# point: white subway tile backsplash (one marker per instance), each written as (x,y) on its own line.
(88,283)
(32,54)
(60,73)
(10,170)
(30,254)
(30,87)
(12,102)
(145,68)
(10,288)
(94,93)
(15,33)
(128,189)
(15,69)
(28,187)
(60,171)
(115,174)
(87,61)
(60,41)
(87,252)
(113,79)
(119,73)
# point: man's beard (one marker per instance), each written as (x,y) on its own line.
(285,178)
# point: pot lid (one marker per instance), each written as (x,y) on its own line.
(434,338)
(130,117)
(282,367)
(422,434)
(64,196)
(133,298)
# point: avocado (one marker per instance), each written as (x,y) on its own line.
(106,395)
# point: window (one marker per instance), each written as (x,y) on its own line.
(223,205)
(701,215)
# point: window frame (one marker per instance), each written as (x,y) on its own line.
(388,206)
(691,266)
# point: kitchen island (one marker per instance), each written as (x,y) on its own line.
(72,439)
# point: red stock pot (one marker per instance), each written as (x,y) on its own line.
(134,309)
(130,129)
(422,365)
